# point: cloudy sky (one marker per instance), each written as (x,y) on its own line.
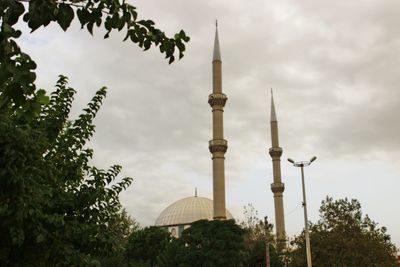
(335,70)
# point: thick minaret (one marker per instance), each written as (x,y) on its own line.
(218,145)
(277,187)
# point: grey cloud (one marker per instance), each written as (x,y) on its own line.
(333,65)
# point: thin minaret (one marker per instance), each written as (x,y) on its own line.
(277,187)
(218,145)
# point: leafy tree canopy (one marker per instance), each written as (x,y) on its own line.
(145,245)
(344,237)
(212,243)
(55,208)
(17,69)
(205,243)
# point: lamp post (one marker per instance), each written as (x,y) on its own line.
(303,164)
(267,257)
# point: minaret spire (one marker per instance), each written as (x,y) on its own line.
(273,113)
(277,187)
(217,52)
(218,145)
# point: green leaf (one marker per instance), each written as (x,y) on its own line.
(16,93)
(42,97)
(181,46)
(39,238)
(107,34)
(147,44)
(7,28)
(114,20)
(17,9)
(34,23)
(83,16)
(89,26)
(65,16)
(171,59)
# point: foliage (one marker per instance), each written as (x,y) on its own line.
(129,226)
(344,237)
(144,246)
(256,234)
(56,209)
(255,228)
(17,69)
(256,254)
(205,243)
(172,255)
(212,243)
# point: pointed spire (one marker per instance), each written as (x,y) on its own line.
(195,191)
(217,53)
(273,113)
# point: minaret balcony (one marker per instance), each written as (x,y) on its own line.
(217,99)
(275,152)
(218,145)
(277,187)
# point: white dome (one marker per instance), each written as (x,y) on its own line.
(188,210)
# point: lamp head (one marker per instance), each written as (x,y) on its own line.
(290,160)
(313,159)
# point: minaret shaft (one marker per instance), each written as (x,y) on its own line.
(274,137)
(277,187)
(218,145)
(218,124)
(219,186)
(217,76)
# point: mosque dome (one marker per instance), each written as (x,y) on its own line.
(186,211)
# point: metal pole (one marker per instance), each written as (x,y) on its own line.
(267,258)
(308,246)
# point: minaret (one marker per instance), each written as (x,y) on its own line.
(277,187)
(218,145)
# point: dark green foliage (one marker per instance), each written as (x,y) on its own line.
(145,245)
(56,209)
(117,258)
(212,243)
(205,244)
(17,69)
(256,254)
(172,255)
(345,238)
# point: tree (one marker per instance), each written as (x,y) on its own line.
(212,243)
(172,255)
(344,237)
(17,69)
(256,254)
(56,209)
(144,246)
(253,225)
(205,243)
(255,236)
(126,226)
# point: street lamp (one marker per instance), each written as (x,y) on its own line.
(267,228)
(303,164)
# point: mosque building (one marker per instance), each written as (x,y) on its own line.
(179,215)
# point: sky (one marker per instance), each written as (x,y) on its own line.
(334,67)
